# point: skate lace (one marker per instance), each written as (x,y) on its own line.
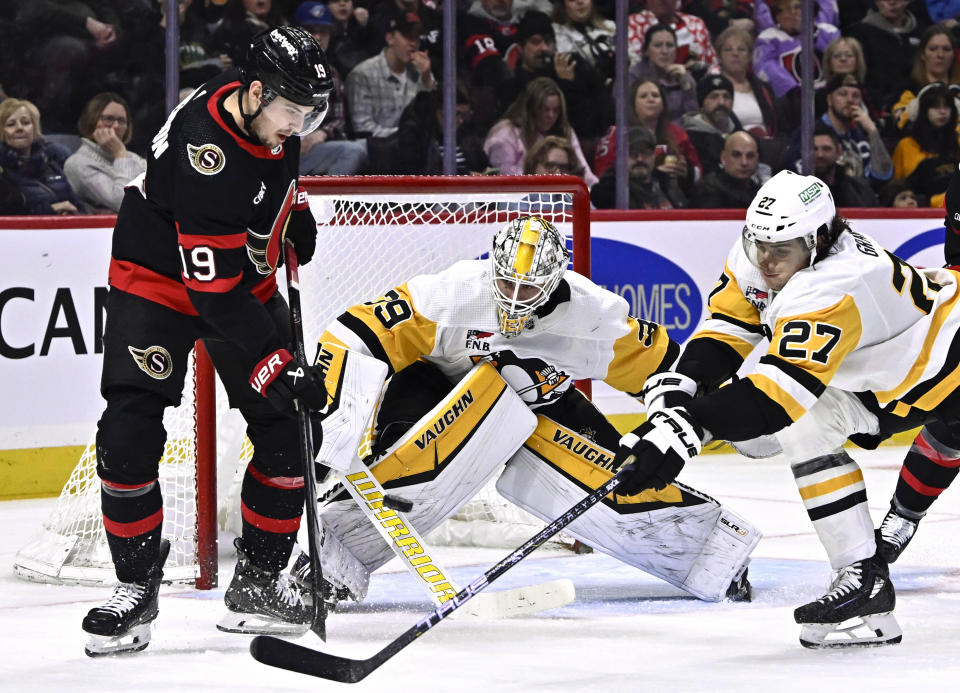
(288,591)
(896,529)
(125,597)
(849,579)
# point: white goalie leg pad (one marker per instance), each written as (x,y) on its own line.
(678,534)
(340,567)
(354,382)
(438,465)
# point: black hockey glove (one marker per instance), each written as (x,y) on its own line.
(302,229)
(281,379)
(666,390)
(660,447)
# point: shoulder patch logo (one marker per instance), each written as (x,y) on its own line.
(207,159)
(155,361)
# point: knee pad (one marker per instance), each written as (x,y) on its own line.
(826,426)
(130,437)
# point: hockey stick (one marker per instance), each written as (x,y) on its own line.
(293,657)
(318,620)
(385,513)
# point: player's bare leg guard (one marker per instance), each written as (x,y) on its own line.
(679,535)
(438,465)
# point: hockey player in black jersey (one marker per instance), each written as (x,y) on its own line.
(195,253)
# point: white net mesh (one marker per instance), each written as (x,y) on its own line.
(367,243)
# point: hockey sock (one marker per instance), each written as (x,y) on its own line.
(271,507)
(132,517)
(835,497)
(930,466)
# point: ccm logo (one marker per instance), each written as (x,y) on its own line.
(267,371)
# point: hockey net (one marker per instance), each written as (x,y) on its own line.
(375,232)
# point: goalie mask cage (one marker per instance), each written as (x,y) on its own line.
(375,232)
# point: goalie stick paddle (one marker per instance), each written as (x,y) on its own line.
(319,618)
(292,657)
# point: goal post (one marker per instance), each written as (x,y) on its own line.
(374,232)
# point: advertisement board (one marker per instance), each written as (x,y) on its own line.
(53,290)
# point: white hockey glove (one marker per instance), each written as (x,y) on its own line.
(660,446)
(667,389)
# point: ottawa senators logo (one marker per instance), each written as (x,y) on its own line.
(155,361)
(207,159)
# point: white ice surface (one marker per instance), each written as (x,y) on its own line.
(626,631)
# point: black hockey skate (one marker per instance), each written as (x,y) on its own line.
(857,611)
(740,589)
(264,602)
(894,534)
(122,624)
(332,595)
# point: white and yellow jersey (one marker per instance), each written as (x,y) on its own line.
(860,320)
(450,319)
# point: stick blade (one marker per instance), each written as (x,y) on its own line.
(293,657)
(520,601)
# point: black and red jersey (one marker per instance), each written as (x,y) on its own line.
(201,233)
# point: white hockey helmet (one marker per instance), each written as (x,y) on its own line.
(528,260)
(786,207)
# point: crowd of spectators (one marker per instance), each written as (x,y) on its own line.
(713,93)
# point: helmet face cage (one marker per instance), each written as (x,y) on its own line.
(528,260)
(789,206)
(291,64)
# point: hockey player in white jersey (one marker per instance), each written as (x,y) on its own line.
(483,358)
(855,332)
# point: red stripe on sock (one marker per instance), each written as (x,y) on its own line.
(931,454)
(917,485)
(269,524)
(285,482)
(125,487)
(133,529)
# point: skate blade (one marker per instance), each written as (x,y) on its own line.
(874,630)
(134,640)
(258,624)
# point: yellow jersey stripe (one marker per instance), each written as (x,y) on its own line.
(778,394)
(916,371)
(738,344)
(633,360)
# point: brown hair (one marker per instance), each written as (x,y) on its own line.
(90,115)
(537,155)
(8,106)
(661,132)
(523,111)
(919,73)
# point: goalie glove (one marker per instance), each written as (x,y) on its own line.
(302,228)
(667,389)
(660,447)
(283,380)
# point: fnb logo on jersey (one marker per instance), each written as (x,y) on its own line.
(476,339)
(758,297)
(656,288)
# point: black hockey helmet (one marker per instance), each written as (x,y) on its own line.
(290,63)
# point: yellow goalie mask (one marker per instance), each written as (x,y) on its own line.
(529,257)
